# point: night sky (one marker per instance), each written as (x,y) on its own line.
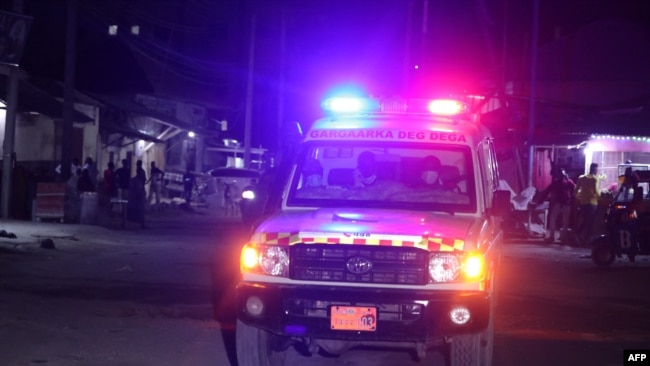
(373,45)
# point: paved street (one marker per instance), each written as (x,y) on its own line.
(108,296)
(112,296)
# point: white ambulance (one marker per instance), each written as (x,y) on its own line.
(388,234)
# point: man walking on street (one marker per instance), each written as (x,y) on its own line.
(561,192)
(587,192)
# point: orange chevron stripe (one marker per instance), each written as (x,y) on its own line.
(432,244)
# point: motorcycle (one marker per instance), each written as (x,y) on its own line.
(627,225)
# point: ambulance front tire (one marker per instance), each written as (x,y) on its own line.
(473,349)
(257,347)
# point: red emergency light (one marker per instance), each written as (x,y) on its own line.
(447,107)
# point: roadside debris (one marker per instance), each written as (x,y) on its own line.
(47,244)
(5,234)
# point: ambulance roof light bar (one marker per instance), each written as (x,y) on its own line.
(349,105)
(447,107)
(357,106)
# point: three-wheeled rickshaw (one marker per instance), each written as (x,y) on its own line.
(627,222)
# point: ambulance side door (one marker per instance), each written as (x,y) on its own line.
(490,184)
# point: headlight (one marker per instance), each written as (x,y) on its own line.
(449,267)
(271,260)
(444,267)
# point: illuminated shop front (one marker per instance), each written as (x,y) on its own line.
(609,151)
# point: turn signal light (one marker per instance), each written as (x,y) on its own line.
(249,258)
(474,267)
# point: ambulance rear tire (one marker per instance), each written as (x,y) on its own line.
(258,347)
(473,349)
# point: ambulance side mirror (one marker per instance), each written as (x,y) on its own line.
(501,203)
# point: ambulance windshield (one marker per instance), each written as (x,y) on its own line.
(384,175)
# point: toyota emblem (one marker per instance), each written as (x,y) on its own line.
(359,265)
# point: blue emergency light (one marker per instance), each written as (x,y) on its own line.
(350,105)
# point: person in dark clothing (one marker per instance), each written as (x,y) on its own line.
(85,184)
(92,171)
(123,176)
(561,197)
(155,181)
(189,182)
(430,173)
(139,170)
(366,172)
(629,184)
(137,198)
(110,184)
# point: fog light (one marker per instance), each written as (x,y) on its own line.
(254,306)
(459,315)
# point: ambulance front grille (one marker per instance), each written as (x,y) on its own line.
(335,263)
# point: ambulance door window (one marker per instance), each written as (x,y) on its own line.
(489,177)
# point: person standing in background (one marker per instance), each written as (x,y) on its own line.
(155,182)
(561,192)
(189,183)
(92,171)
(71,184)
(587,192)
(85,184)
(629,184)
(137,198)
(110,184)
(139,170)
(123,175)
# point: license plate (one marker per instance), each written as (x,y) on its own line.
(354,318)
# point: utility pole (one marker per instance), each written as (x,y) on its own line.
(249,97)
(10,134)
(533,93)
(68,89)
(12,72)
(281,81)
(408,49)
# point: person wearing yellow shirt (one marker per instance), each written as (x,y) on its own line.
(587,192)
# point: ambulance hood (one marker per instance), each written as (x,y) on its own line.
(368,223)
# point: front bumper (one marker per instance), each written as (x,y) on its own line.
(402,315)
